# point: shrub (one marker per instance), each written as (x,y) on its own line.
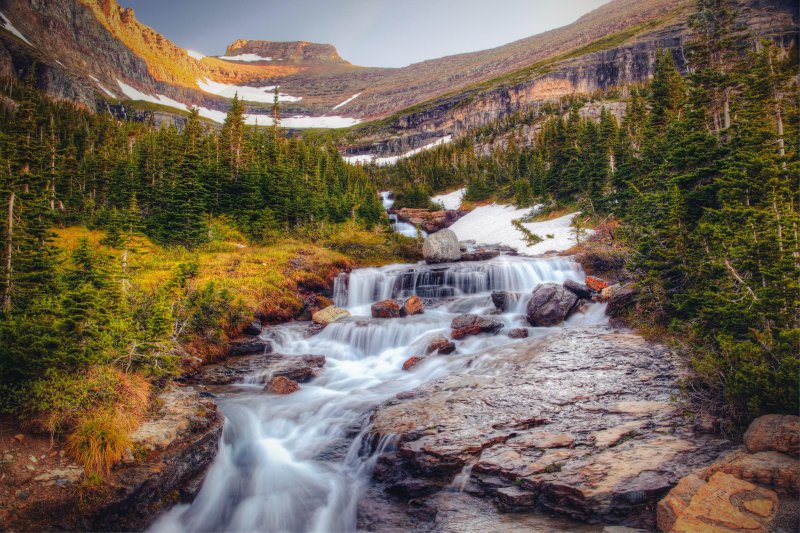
(99,440)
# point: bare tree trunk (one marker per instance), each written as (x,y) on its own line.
(778,115)
(9,249)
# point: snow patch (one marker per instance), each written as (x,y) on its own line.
(10,27)
(135,94)
(337,106)
(491,224)
(109,93)
(196,55)
(245,57)
(391,160)
(59,62)
(451,200)
(251,94)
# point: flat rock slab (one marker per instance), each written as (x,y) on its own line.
(300,368)
(582,422)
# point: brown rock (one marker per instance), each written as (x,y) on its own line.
(518,333)
(774,432)
(413,306)
(282,385)
(770,469)
(441,345)
(19,437)
(675,503)
(718,506)
(411,362)
(464,325)
(596,284)
(385,309)
(550,305)
(621,299)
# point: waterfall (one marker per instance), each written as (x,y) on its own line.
(298,462)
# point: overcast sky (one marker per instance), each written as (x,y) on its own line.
(380,33)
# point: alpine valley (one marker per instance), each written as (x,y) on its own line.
(548,286)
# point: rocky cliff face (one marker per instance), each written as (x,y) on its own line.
(294,52)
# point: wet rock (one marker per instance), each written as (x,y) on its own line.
(596,284)
(411,362)
(254,328)
(413,306)
(464,325)
(281,385)
(441,345)
(620,299)
(249,346)
(774,432)
(329,314)
(300,368)
(550,305)
(441,247)
(533,416)
(578,289)
(385,309)
(518,333)
(499,299)
(515,499)
(722,504)
(479,254)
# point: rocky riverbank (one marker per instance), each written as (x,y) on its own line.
(43,491)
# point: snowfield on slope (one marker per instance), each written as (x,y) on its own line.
(491,224)
(451,200)
(391,160)
(251,94)
(245,57)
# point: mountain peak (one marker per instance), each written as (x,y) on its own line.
(293,52)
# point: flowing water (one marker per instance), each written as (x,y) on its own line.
(404,228)
(299,462)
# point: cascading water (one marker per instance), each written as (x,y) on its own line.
(404,228)
(298,462)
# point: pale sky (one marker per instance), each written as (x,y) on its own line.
(376,33)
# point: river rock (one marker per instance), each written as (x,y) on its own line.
(300,368)
(578,289)
(582,423)
(413,306)
(441,345)
(596,284)
(499,299)
(329,314)
(550,305)
(385,309)
(249,346)
(774,432)
(254,328)
(282,385)
(518,333)
(479,254)
(441,247)
(411,362)
(464,325)
(620,299)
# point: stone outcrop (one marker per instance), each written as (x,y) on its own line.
(620,299)
(300,368)
(750,489)
(550,305)
(581,424)
(329,314)
(385,309)
(465,325)
(441,247)
(430,221)
(248,346)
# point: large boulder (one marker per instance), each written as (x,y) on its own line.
(464,325)
(329,314)
(385,309)
(578,289)
(499,299)
(774,432)
(441,247)
(550,305)
(413,306)
(249,346)
(620,299)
